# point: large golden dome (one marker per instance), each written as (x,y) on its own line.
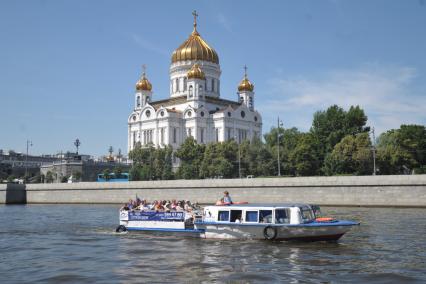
(143,84)
(195,48)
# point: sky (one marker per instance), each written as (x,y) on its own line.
(68,68)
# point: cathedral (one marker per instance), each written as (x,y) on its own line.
(194,107)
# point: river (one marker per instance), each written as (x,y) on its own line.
(77,243)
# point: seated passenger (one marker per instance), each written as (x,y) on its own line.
(125,207)
(180,206)
(159,206)
(219,202)
(187,206)
(173,205)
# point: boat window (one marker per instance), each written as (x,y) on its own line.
(236,216)
(265,216)
(281,216)
(223,216)
(317,210)
(307,214)
(251,216)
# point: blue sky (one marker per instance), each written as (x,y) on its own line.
(68,68)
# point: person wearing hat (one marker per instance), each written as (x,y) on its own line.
(227,198)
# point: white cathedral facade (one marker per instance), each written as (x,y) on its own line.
(194,107)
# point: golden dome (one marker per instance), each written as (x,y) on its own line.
(195,48)
(196,72)
(143,84)
(245,84)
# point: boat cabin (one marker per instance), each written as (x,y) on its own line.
(259,213)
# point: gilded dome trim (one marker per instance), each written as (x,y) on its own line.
(196,72)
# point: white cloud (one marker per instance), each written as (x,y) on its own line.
(224,22)
(384,92)
(148,45)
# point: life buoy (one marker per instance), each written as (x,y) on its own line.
(121,229)
(270,233)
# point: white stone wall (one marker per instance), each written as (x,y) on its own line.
(406,191)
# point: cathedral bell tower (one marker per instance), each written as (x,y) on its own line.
(143,91)
(196,84)
(246,91)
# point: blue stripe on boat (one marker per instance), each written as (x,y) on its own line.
(166,230)
(311,224)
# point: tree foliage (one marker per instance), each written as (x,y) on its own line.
(330,126)
(150,163)
(338,143)
(351,156)
(403,150)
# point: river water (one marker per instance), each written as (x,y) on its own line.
(77,243)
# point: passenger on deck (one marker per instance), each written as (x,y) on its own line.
(130,204)
(173,205)
(187,206)
(227,197)
(159,206)
(180,206)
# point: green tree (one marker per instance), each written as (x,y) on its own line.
(77,175)
(289,139)
(400,151)
(106,173)
(49,177)
(167,171)
(191,155)
(118,170)
(330,126)
(219,159)
(143,159)
(256,159)
(303,159)
(351,156)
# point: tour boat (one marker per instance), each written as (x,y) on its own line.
(242,221)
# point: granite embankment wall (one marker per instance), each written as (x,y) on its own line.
(404,191)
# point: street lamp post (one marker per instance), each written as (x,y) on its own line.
(77,144)
(239,156)
(29,144)
(374,152)
(279,124)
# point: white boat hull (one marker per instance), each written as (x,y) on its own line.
(306,232)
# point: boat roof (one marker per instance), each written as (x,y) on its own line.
(273,205)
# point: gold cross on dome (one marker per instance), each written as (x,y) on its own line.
(245,71)
(194,13)
(144,69)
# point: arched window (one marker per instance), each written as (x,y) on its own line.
(138,101)
(213,85)
(185,81)
(177,84)
(191,92)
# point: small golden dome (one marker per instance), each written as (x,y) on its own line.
(195,48)
(245,84)
(143,84)
(196,72)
